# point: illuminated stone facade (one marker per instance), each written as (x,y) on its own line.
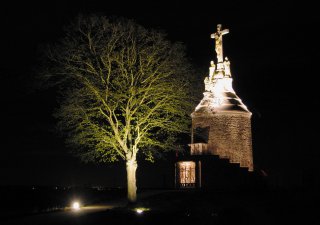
(221,123)
(224,116)
(229,137)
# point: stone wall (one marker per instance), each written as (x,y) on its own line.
(229,136)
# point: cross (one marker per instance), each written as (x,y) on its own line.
(218,37)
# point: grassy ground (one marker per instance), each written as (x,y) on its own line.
(232,207)
(199,207)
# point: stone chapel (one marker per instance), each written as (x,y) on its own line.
(221,129)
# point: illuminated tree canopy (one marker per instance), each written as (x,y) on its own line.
(125,91)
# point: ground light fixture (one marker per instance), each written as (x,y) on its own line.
(141,210)
(75,205)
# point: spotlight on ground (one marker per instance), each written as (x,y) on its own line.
(75,205)
(141,210)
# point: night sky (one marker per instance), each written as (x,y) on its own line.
(273,49)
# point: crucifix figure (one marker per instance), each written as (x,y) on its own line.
(218,37)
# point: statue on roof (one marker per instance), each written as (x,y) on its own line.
(212,69)
(227,71)
(218,42)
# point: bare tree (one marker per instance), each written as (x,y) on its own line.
(125,91)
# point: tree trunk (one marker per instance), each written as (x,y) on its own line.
(131,180)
